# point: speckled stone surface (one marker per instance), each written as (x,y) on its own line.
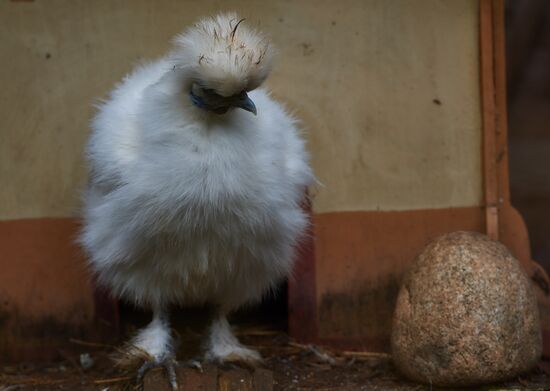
(466,314)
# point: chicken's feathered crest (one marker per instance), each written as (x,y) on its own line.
(224,54)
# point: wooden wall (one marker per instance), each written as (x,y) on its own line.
(387,91)
(389,96)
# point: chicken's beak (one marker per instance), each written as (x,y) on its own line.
(245,103)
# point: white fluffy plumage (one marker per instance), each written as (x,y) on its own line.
(187,204)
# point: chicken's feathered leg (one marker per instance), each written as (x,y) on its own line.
(223,347)
(152,347)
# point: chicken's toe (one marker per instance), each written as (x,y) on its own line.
(169,364)
(237,354)
(193,363)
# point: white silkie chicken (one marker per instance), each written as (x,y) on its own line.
(196,180)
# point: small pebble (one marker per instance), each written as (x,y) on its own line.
(86,361)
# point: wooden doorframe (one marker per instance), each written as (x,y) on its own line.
(502,221)
(488,63)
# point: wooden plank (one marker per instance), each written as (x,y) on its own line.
(361,256)
(193,379)
(235,380)
(360,259)
(45,295)
(263,379)
(302,291)
(188,379)
(211,379)
(490,180)
(245,380)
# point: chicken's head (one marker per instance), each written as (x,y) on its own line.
(225,59)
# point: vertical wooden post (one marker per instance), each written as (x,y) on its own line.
(488,109)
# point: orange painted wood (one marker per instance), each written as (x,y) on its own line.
(45,294)
(360,259)
(302,301)
(488,116)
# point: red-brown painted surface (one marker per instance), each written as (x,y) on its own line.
(45,294)
(302,301)
(360,259)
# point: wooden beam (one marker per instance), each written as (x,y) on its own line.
(488,110)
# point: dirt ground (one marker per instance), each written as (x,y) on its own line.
(288,366)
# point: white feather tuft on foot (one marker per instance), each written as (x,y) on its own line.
(223,347)
(153,343)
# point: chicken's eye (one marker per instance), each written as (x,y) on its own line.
(213,95)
